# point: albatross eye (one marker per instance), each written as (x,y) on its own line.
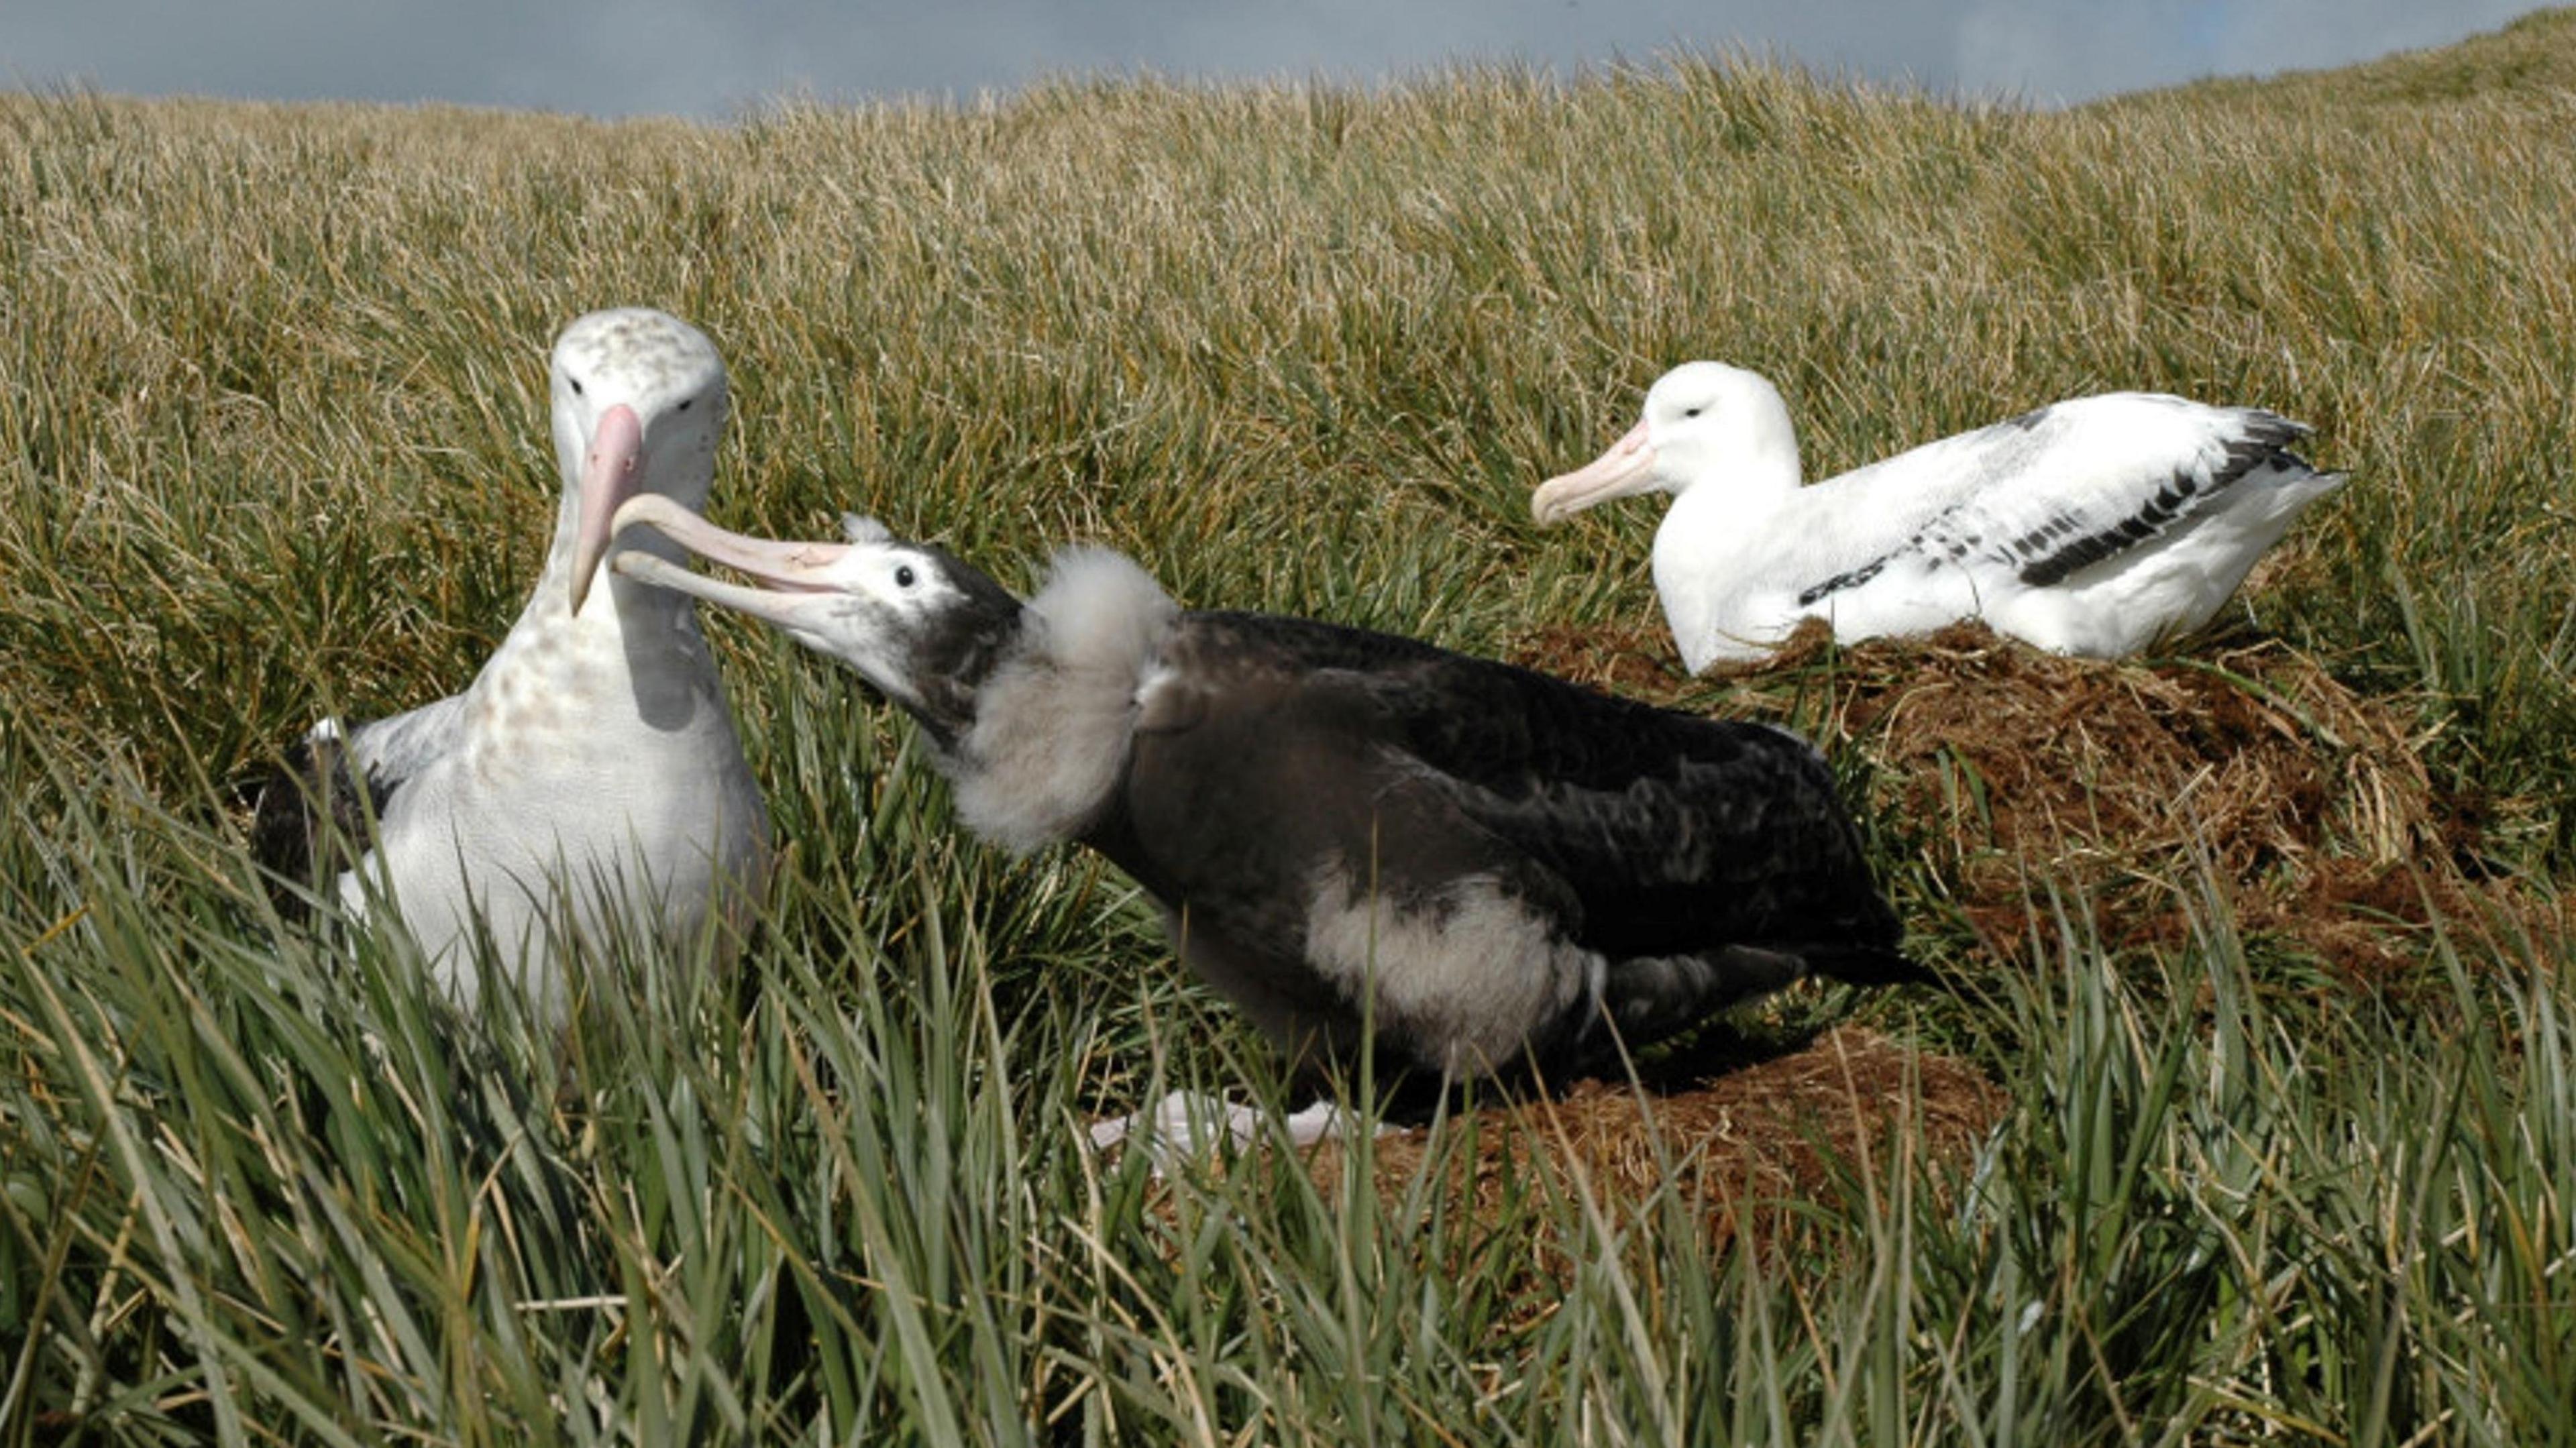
(576,385)
(1693,411)
(903,575)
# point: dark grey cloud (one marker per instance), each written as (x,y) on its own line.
(701,58)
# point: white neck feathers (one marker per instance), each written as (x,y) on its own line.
(1053,723)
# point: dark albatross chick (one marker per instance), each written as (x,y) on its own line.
(1491,868)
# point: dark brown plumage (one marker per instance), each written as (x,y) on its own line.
(1352,834)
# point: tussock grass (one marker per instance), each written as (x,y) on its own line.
(270,444)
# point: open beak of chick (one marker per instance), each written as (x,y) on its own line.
(798,583)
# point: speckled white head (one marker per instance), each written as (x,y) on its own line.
(639,403)
(1702,420)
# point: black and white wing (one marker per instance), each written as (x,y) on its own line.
(313,814)
(2033,501)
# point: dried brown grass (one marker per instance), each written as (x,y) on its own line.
(2019,776)
(1743,1150)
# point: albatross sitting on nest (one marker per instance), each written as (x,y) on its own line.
(588,784)
(2093,526)
(1491,867)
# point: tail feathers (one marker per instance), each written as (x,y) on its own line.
(1868,965)
(1648,998)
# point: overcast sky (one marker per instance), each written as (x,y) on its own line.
(701,58)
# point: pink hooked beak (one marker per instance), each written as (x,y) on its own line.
(1628,467)
(608,479)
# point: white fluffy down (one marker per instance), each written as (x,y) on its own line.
(1053,723)
(1472,983)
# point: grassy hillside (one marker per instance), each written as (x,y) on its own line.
(2529,63)
(271,444)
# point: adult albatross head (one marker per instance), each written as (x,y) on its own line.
(1702,420)
(639,404)
(920,624)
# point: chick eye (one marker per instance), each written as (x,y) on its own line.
(903,576)
(684,404)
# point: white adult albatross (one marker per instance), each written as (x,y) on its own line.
(2094,526)
(1353,836)
(588,784)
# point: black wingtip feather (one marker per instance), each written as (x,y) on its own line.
(2265,439)
(307,817)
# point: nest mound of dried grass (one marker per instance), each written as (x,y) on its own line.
(1740,1150)
(2015,772)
